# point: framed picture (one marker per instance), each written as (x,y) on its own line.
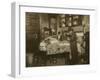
(48,40)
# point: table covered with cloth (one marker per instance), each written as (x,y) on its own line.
(54,46)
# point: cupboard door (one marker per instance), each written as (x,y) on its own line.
(32,31)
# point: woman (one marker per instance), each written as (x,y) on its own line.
(73,46)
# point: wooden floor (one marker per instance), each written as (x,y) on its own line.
(46,60)
(33,60)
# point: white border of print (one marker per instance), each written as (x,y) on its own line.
(18,41)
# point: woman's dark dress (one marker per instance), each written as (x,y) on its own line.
(74,51)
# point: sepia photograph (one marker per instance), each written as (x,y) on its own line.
(54,39)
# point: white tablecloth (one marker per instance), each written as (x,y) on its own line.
(55,46)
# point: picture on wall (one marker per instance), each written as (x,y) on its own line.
(47,40)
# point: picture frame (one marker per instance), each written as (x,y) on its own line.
(18,36)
